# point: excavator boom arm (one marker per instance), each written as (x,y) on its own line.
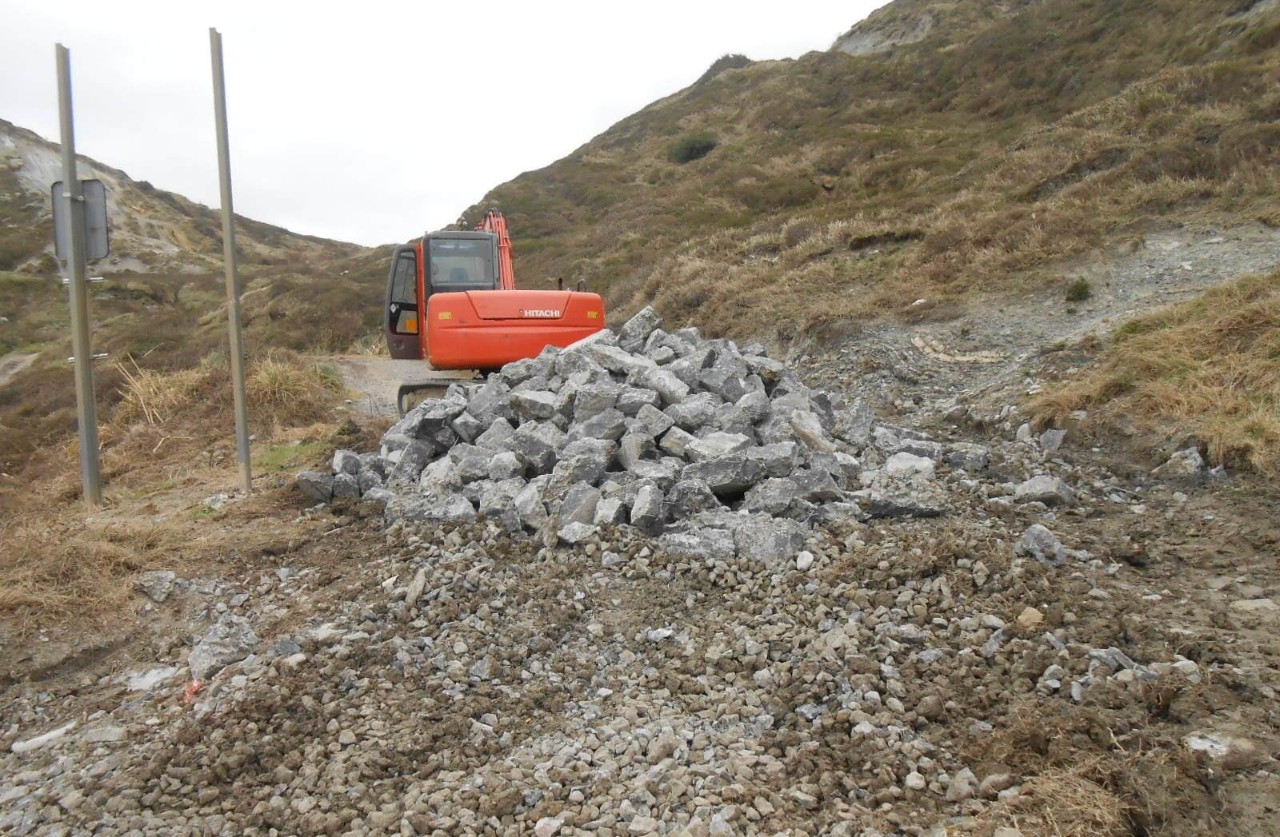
(494,222)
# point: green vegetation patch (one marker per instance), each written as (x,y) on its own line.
(692,146)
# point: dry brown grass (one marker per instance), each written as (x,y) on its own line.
(1063,802)
(1206,372)
(166,447)
(288,390)
(61,564)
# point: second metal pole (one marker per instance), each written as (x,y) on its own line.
(229,257)
(73,194)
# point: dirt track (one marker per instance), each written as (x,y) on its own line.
(375,380)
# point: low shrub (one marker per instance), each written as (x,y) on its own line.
(732,61)
(1079,290)
(692,146)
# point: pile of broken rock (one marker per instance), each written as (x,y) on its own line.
(718,450)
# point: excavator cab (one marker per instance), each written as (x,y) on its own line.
(452,301)
(454,262)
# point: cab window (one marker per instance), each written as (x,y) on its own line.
(404,294)
(461,264)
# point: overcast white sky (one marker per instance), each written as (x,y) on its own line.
(372,121)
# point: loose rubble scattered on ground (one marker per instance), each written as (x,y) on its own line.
(648,584)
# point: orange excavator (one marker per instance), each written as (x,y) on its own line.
(452,302)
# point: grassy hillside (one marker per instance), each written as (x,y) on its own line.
(165,322)
(151,230)
(161,308)
(972,162)
(1205,373)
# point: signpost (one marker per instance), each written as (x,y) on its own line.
(80,234)
(76,252)
(229,258)
(94,211)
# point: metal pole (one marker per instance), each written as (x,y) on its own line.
(73,192)
(229,258)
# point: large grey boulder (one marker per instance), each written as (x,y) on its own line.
(592,400)
(491,401)
(537,444)
(1184,465)
(769,370)
(610,511)
(1046,489)
(369,479)
(620,362)
(921,447)
(529,506)
(662,472)
(1041,544)
(648,510)
(816,485)
(778,459)
(634,447)
(725,475)
(676,441)
(157,585)
(967,456)
(889,496)
(670,388)
(776,429)
(519,371)
(579,504)
(909,464)
(429,508)
(636,331)
(346,462)
(608,424)
(632,399)
(316,486)
(715,445)
(505,465)
(429,419)
(576,532)
(807,427)
(744,414)
(496,436)
(694,412)
(843,467)
(440,477)
(654,421)
(497,502)
(766,540)
(470,463)
(578,360)
(534,405)
(585,460)
(346,485)
(705,545)
(229,640)
(467,427)
(412,460)
(854,423)
(1051,440)
(690,367)
(688,498)
(723,382)
(771,496)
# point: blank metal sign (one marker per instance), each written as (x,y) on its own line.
(95,221)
